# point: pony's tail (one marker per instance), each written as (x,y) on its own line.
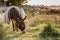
(5,18)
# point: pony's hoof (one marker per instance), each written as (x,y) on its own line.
(23,31)
(16,29)
(13,30)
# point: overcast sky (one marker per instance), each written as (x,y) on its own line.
(45,2)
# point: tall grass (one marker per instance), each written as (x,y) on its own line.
(49,31)
(33,27)
(2,33)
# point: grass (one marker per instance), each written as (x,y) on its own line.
(49,31)
(34,26)
(2,32)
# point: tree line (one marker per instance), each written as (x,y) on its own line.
(13,2)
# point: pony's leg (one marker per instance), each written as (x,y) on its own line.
(13,25)
(16,27)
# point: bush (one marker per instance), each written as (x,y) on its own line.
(49,31)
(2,34)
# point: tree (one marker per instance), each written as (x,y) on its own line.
(14,2)
(1,1)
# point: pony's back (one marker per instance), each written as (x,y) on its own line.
(13,13)
(13,10)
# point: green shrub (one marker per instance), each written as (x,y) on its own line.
(49,31)
(2,34)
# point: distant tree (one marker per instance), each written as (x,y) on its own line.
(1,1)
(15,2)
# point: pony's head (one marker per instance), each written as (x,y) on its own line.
(21,24)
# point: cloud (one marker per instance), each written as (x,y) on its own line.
(45,2)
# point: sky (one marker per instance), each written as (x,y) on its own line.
(45,2)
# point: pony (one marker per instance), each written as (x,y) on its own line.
(17,16)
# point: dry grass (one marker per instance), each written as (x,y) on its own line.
(34,26)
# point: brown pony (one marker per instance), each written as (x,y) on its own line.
(17,21)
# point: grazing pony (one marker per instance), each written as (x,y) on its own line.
(17,16)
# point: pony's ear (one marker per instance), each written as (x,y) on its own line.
(24,18)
